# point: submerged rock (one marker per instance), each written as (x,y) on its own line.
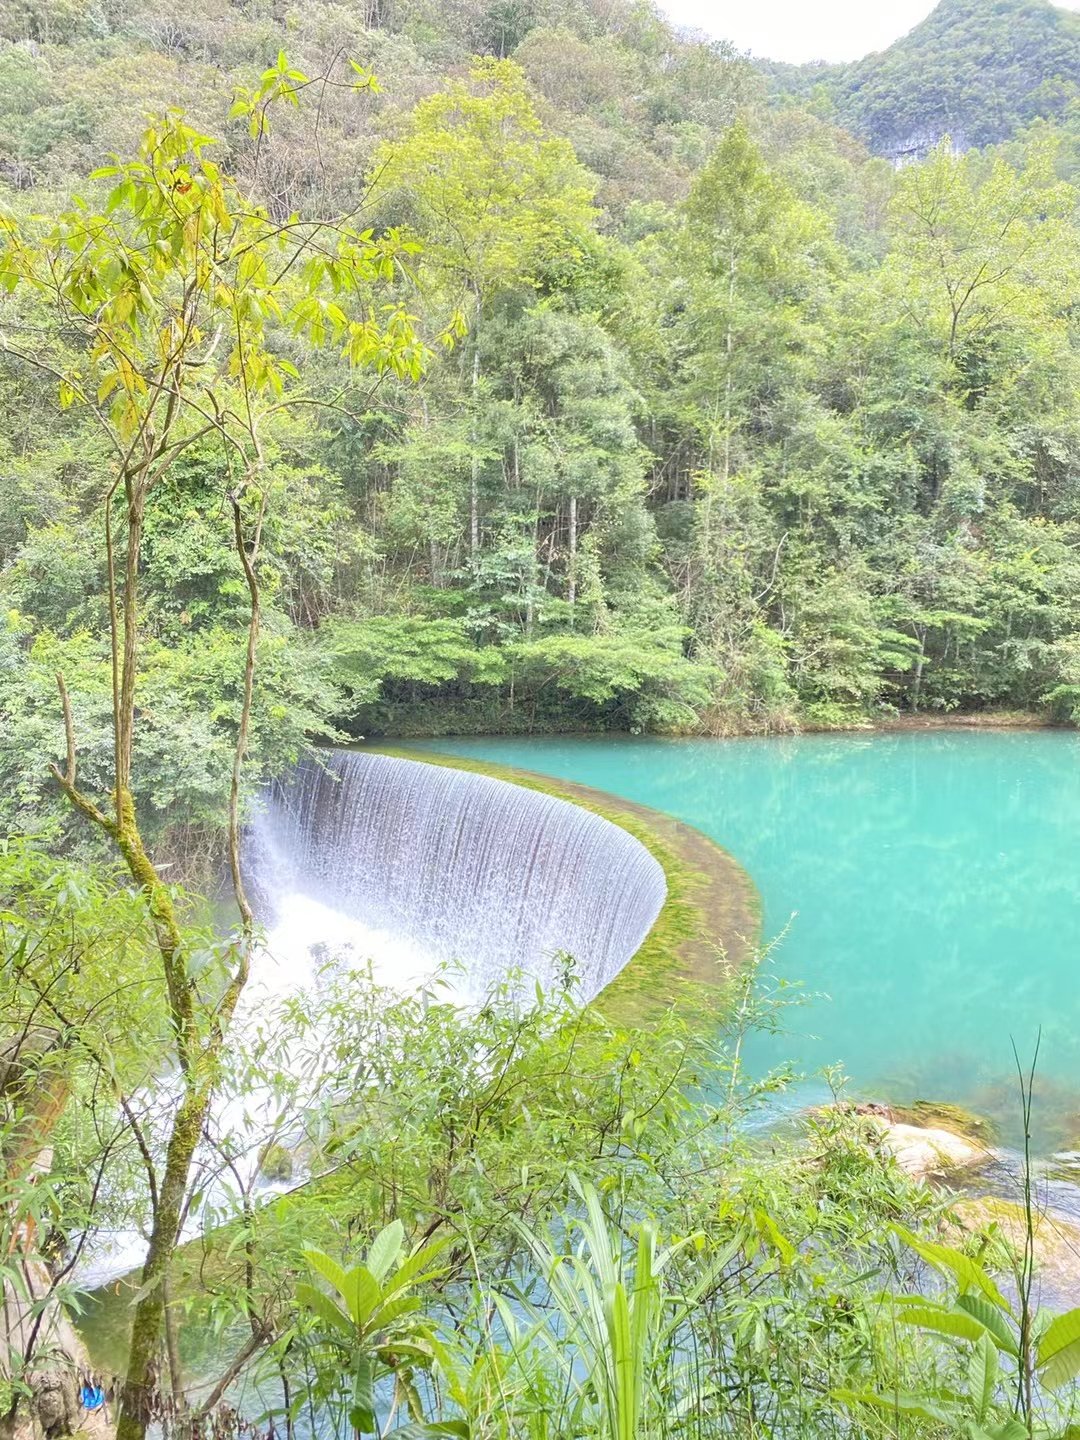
(1056,1240)
(940,1115)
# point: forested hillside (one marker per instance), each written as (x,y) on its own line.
(978,71)
(413,367)
(733,427)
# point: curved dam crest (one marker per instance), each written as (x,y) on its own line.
(429,866)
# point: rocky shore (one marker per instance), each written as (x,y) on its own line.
(944,1146)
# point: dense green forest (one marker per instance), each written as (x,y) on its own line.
(741,429)
(398,367)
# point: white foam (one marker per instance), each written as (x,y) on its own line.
(308,932)
(307,936)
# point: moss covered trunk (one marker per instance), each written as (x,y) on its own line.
(136,1401)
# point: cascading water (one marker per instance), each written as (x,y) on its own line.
(364,858)
(414,866)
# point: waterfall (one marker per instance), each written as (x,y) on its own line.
(362,857)
(421,865)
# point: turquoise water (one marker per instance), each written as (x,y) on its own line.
(927,886)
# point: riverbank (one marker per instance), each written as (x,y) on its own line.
(717,727)
(973,720)
(872,724)
(955,1153)
(709,926)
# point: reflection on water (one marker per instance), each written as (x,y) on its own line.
(932,882)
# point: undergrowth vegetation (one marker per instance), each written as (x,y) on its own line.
(517,1219)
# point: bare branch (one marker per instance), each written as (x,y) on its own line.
(69,729)
(66,777)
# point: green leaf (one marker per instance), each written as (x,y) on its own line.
(941,1320)
(995,1322)
(408,1391)
(362,1409)
(417,1268)
(385,1315)
(432,1430)
(947,1261)
(324,1309)
(982,1375)
(1058,1355)
(326,1266)
(769,1228)
(901,1402)
(393,1351)
(385,1249)
(362,1294)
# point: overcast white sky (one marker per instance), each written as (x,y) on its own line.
(800,30)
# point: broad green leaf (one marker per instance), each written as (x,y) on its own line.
(982,1375)
(385,1249)
(407,1390)
(995,1322)
(947,1261)
(362,1294)
(433,1430)
(1058,1355)
(326,1266)
(941,1320)
(393,1351)
(414,1270)
(324,1309)
(385,1315)
(901,1402)
(362,1409)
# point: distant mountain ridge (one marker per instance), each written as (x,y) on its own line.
(977,70)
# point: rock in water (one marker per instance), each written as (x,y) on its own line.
(928,1152)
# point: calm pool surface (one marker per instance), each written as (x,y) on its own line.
(928,884)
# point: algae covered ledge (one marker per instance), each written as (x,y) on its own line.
(709,925)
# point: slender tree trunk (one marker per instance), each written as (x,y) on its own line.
(474,495)
(920,662)
(172,1348)
(571,572)
(533,577)
(135,1394)
(729,350)
(199,1057)
(433,545)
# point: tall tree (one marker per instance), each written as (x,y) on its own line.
(166,315)
(499,204)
